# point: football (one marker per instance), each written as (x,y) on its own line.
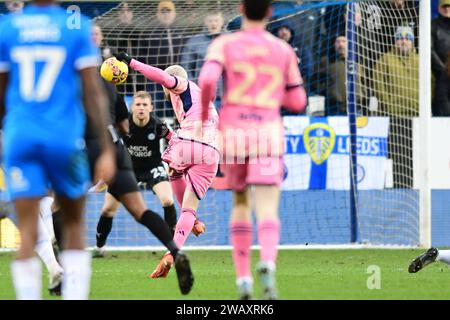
(114,71)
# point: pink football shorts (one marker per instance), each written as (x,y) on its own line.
(257,171)
(196,160)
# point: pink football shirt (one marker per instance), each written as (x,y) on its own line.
(259,70)
(186,103)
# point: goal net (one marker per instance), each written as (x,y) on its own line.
(349,159)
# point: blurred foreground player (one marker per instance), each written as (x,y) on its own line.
(44,66)
(192,155)
(261,74)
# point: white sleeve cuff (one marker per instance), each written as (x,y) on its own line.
(87,62)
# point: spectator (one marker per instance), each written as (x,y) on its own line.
(396,81)
(164,43)
(441,105)
(194,52)
(195,49)
(336,90)
(161,46)
(440,39)
(396,76)
(125,15)
(398,13)
(126,38)
(14,5)
(192,16)
(286,32)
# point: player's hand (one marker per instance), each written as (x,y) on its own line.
(123,56)
(105,166)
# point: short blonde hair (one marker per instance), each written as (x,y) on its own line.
(142,95)
(177,70)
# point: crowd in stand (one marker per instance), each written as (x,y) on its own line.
(386,61)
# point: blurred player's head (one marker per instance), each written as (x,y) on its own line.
(404,40)
(141,105)
(214,22)
(256,10)
(166,13)
(175,70)
(125,14)
(444,8)
(14,6)
(340,46)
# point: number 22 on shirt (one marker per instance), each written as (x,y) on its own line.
(263,99)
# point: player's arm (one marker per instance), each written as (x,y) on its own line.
(210,73)
(295,94)
(207,81)
(96,106)
(152,73)
(122,122)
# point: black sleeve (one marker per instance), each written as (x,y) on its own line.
(121,109)
(162,129)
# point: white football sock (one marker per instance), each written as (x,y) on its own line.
(45,209)
(27,278)
(77,274)
(44,248)
(444,256)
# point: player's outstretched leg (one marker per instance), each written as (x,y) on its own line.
(423,260)
(178,183)
(183,228)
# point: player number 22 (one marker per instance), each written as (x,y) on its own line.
(27,57)
(263,99)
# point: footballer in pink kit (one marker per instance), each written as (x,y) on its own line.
(192,154)
(261,75)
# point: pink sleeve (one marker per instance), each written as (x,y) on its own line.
(154,74)
(210,73)
(295,98)
(293,76)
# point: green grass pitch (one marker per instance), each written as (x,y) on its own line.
(302,274)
